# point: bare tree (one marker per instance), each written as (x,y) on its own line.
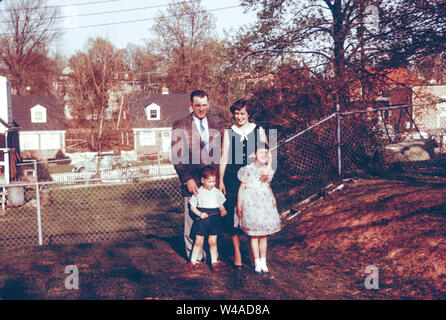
(27,27)
(344,38)
(432,69)
(90,82)
(145,66)
(185,37)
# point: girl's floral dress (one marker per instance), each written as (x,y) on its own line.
(260,217)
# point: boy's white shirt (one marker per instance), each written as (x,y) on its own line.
(213,198)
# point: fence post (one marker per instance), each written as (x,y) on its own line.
(39,218)
(338,135)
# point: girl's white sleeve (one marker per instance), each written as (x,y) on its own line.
(242,174)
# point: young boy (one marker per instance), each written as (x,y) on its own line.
(206,211)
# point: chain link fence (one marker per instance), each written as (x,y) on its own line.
(92,210)
(56,208)
(378,142)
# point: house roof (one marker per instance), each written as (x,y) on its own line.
(172,107)
(21,113)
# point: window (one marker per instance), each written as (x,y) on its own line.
(29,142)
(147,138)
(50,141)
(153,112)
(38,114)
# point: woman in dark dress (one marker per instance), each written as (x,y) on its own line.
(238,144)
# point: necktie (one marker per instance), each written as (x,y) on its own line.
(204,135)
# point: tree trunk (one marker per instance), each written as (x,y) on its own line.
(339,35)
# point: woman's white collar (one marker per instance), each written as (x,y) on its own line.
(244,133)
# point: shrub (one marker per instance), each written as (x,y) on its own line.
(62,158)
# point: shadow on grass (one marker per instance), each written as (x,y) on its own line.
(17,289)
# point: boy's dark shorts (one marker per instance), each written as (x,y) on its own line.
(211,226)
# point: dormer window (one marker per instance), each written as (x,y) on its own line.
(38,114)
(153,112)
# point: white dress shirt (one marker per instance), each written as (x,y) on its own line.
(205,124)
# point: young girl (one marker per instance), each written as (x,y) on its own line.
(207,209)
(256,207)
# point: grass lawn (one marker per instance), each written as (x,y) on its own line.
(60,168)
(95,212)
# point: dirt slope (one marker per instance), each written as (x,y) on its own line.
(398,226)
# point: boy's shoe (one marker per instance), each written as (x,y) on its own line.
(192,267)
(219,266)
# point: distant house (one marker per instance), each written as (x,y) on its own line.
(152,116)
(8,128)
(9,135)
(394,89)
(431,118)
(42,125)
(398,120)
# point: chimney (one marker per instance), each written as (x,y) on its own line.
(5,100)
(164,90)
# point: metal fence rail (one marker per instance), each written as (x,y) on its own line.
(146,200)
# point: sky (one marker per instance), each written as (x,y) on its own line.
(78,11)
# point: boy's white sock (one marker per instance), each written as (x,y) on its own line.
(258,265)
(214,259)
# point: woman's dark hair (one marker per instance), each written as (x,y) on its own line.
(198,93)
(240,104)
(207,172)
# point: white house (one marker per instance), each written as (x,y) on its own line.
(431,118)
(151,117)
(42,125)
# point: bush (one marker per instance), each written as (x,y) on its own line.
(62,158)
(43,174)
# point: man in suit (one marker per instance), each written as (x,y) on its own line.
(196,142)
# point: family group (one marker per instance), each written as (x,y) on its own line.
(225,174)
